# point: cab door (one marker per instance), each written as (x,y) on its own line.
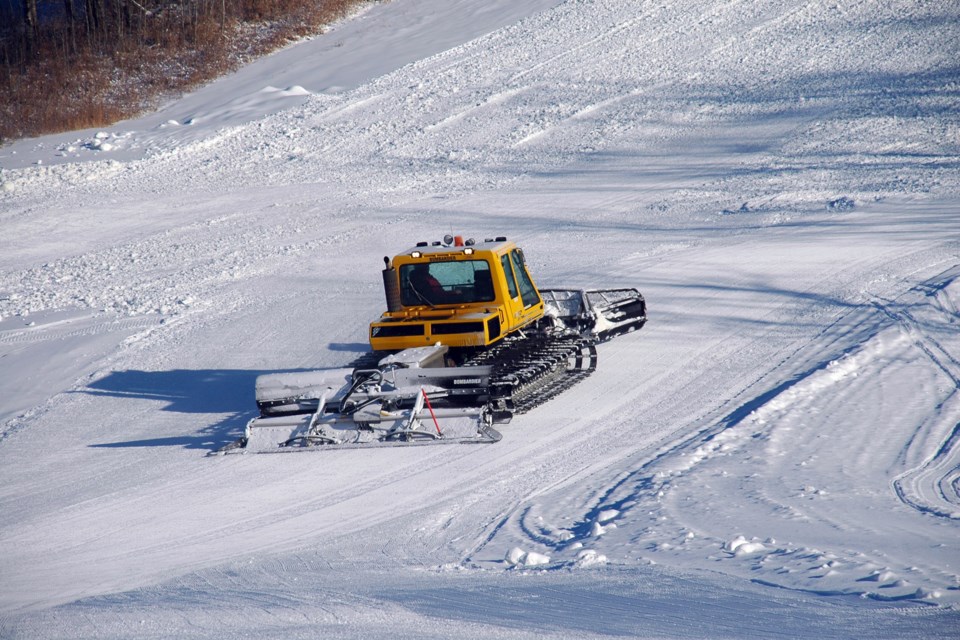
(523,300)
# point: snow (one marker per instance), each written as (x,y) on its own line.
(775,454)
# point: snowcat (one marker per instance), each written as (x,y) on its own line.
(467,341)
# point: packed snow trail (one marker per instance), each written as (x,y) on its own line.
(789,469)
(780,181)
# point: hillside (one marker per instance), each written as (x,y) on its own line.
(775,454)
(69,64)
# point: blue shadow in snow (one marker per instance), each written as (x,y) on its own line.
(204,391)
(353,347)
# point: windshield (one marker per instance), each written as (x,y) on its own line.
(454,282)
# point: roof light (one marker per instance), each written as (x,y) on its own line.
(416,254)
(423,244)
(501,238)
(448,239)
(468,251)
(470,242)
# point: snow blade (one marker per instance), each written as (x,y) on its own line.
(305,431)
(406,400)
(600,313)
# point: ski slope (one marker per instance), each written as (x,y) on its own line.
(776,454)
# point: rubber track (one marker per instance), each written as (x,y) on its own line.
(532,370)
(528,370)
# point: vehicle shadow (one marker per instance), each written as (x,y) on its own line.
(204,391)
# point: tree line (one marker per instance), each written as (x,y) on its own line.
(63,27)
(97,57)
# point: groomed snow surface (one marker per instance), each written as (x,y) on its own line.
(776,454)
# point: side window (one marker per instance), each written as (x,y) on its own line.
(528,293)
(508,274)
(413,284)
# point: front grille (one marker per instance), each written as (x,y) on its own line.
(397,330)
(493,328)
(456,327)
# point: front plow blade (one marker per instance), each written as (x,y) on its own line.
(282,434)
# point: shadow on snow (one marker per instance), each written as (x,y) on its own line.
(204,391)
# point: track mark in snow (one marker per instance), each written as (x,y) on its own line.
(487,102)
(785,463)
(75,326)
(928,317)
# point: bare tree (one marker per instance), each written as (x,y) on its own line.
(31,26)
(94,13)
